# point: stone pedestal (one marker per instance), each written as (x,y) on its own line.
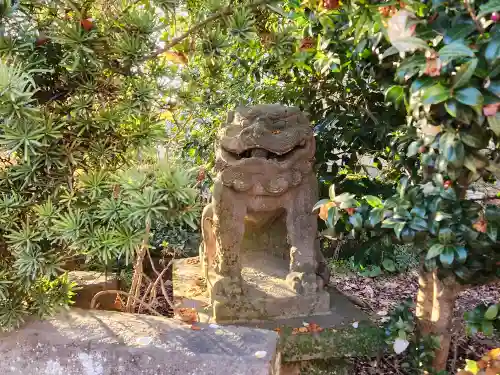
(266,295)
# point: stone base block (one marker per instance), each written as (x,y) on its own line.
(266,294)
(84,342)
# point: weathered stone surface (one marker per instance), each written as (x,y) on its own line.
(104,343)
(338,339)
(89,284)
(266,294)
(265,179)
(317,367)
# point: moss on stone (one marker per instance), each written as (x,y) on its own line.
(341,342)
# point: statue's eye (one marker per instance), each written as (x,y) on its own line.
(276,131)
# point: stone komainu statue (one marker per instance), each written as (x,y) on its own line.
(264,165)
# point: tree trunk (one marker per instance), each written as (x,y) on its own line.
(435,302)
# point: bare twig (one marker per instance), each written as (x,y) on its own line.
(473,15)
(129,296)
(226,11)
(138,274)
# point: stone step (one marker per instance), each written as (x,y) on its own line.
(345,332)
(338,338)
(91,342)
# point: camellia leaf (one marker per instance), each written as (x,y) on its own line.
(492,51)
(492,231)
(409,44)
(494,88)
(398,228)
(395,95)
(492,312)
(455,50)
(413,148)
(473,137)
(458,32)
(356,221)
(447,256)
(320,203)
(376,216)
(445,235)
(343,197)
(435,94)
(470,96)
(434,251)
(440,216)
(487,327)
(451,107)
(494,123)
(389,265)
(464,73)
(373,201)
(331,192)
(460,254)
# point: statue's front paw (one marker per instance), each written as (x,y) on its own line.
(225,287)
(302,283)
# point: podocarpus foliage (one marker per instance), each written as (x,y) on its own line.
(77,94)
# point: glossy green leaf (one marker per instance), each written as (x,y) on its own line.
(492,231)
(458,32)
(332,216)
(473,137)
(418,224)
(460,254)
(435,94)
(464,73)
(343,197)
(331,192)
(470,163)
(413,148)
(398,228)
(492,51)
(373,201)
(451,107)
(389,265)
(469,96)
(376,216)
(447,256)
(492,312)
(320,203)
(445,236)
(408,235)
(455,50)
(494,123)
(421,83)
(440,216)
(356,221)
(487,327)
(494,88)
(410,44)
(395,95)
(434,251)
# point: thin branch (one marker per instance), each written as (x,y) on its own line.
(147,305)
(226,11)
(473,15)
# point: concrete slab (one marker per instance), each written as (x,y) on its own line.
(103,343)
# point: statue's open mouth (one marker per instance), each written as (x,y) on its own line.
(261,153)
